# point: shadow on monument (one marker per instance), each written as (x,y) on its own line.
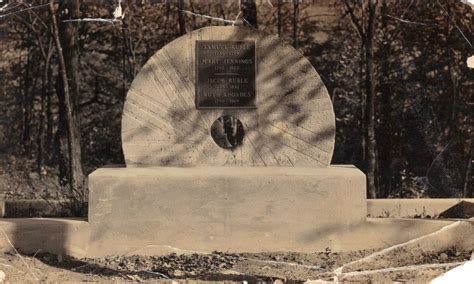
(272,138)
(34,237)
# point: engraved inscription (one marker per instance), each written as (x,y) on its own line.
(225,73)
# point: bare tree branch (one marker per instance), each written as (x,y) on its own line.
(101,20)
(358,27)
(23,10)
(411,22)
(454,23)
(208,17)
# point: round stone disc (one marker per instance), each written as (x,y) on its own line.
(293,123)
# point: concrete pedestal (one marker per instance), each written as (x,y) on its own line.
(202,209)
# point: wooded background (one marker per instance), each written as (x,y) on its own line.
(396,72)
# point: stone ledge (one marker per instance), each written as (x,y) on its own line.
(132,171)
(72,236)
(54,235)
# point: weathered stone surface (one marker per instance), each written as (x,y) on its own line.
(60,236)
(224,208)
(292,125)
(72,236)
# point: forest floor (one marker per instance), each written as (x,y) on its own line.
(20,180)
(250,267)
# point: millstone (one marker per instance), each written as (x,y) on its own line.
(287,118)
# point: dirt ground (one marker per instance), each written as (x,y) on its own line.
(250,267)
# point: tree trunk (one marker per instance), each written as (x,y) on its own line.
(25,107)
(60,138)
(42,116)
(296,10)
(76,177)
(221,8)
(279,17)
(49,114)
(385,129)
(181,22)
(69,9)
(124,58)
(468,176)
(359,27)
(452,126)
(370,101)
(249,12)
(362,103)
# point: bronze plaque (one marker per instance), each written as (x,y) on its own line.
(225,74)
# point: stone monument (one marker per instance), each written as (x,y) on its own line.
(228,136)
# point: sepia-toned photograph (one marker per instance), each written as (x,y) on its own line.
(237,141)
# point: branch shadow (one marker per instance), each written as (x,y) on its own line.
(280,129)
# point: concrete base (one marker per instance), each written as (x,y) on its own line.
(72,236)
(54,235)
(223,208)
